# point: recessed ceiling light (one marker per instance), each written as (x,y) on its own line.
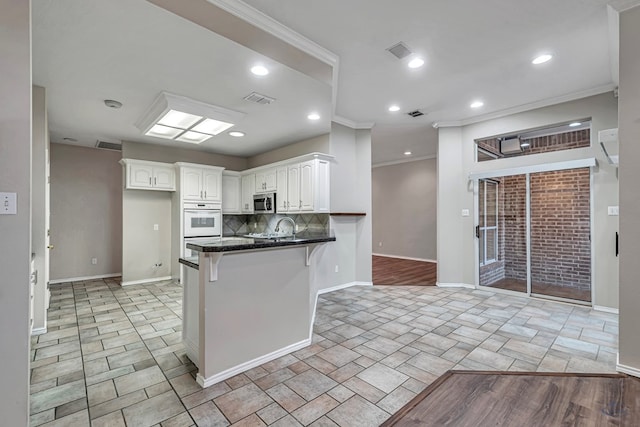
(394,108)
(112,103)
(236,133)
(541,59)
(574,124)
(259,70)
(313,116)
(416,63)
(407,153)
(476,104)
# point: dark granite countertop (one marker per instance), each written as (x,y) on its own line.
(231,244)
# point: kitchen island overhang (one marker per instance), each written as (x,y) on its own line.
(247,302)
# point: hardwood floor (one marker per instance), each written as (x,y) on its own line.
(466,398)
(543,289)
(396,271)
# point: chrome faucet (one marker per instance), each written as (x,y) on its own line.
(293,225)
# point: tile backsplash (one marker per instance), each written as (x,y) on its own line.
(238,225)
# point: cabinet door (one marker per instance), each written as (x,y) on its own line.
(281,187)
(212,185)
(307,180)
(230,194)
(140,176)
(293,188)
(321,187)
(260,182)
(248,190)
(164,177)
(192,184)
(270,180)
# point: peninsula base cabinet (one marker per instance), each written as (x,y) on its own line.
(303,187)
(200,183)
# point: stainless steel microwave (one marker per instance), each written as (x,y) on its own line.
(264,203)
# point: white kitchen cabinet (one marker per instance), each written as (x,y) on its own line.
(303,187)
(282,198)
(266,181)
(248,186)
(231,193)
(200,183)
(145,175)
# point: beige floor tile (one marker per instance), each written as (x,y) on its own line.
(152,411)
(239,403)
(310,384)
(358,412)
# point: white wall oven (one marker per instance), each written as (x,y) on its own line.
(202,220)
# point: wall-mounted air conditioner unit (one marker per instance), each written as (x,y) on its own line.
(608,140)
(510,145)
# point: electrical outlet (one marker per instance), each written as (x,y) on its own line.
(613,210)
(94,261)
(156,227)
(336,268)
(465,212)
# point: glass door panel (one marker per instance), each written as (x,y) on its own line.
(501,232)
(560,234)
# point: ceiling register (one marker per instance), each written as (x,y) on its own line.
(183,119)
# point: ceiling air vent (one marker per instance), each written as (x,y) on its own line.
(400,50)
(415,113)
(106,145)
(259,98)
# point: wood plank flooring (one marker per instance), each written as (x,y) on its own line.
(396,271)
(543,289)
(467,398)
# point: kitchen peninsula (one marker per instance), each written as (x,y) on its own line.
(248,301)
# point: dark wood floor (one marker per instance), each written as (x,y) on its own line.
(543,289)
(465,398)
(395,271)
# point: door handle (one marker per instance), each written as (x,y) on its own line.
(617,241)
(477,231)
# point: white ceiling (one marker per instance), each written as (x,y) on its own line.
(86,51)
(89,50)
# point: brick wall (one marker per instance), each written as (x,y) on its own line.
(515,226)
(560,228)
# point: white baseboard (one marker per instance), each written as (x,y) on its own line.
(38,331)
(143,281)
(606,309)
(455,285)
(343,286)
(635,372)
(214,379)
(406,257)
(80,279)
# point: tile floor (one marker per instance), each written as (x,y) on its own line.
(113,356)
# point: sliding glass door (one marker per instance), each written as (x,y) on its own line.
(533,233)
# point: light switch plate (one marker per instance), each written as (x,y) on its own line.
(613,210)
(8,203)
(465,212)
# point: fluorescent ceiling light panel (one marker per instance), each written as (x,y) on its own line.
(166,132)
(212,127)
(184,119)
(178,119)
(193,137)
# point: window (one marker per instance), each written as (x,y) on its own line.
(488,220)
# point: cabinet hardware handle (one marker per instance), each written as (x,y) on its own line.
(477,231)
(205,194)
(149,180)
(155,181)
(300,204)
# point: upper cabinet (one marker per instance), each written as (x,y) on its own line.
(200,183)
(266,181)
(303,187)
(248,186)
(145,175)
(231,193)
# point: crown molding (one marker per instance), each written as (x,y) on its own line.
(266,23)
(528,107)
(351,124)
(401,161)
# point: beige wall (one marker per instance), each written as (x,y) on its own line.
(157,153)
(404,209)
(629,135)
(457,253)
(86,212)
(15,177)
(39,202)
(318,144)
